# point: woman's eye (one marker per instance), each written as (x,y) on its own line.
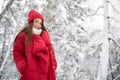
(36,21)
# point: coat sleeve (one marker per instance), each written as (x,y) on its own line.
(19,54)
(53,66)
(48,43)
(54,61)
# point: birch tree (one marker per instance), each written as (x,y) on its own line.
(105,65)
(104,56)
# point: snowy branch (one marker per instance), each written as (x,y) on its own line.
(5,60)
(95,11)
(111,72)
(113,7)
(13,16)
(95,50)
(117,77)
(115,66)
(115,41)
(6,8)
(8,21)
(113,69)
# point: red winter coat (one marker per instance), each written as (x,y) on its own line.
(38,61)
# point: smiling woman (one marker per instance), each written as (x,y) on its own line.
(33,52)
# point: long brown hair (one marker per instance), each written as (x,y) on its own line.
(28,31)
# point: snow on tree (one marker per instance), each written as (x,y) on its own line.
(86,49)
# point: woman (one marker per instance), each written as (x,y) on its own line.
(33,53)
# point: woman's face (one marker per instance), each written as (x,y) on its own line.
(37,23)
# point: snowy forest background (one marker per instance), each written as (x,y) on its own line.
(84,33)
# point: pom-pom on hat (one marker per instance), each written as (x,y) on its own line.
(34,14)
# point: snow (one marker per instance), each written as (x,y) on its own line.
(76,32)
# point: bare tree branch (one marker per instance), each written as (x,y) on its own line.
(8,20)
(14,16)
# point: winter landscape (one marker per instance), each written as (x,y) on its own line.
(85,35)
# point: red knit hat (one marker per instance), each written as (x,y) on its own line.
(34,14)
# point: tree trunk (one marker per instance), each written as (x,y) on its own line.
(104,56)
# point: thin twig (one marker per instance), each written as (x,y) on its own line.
(113,7)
